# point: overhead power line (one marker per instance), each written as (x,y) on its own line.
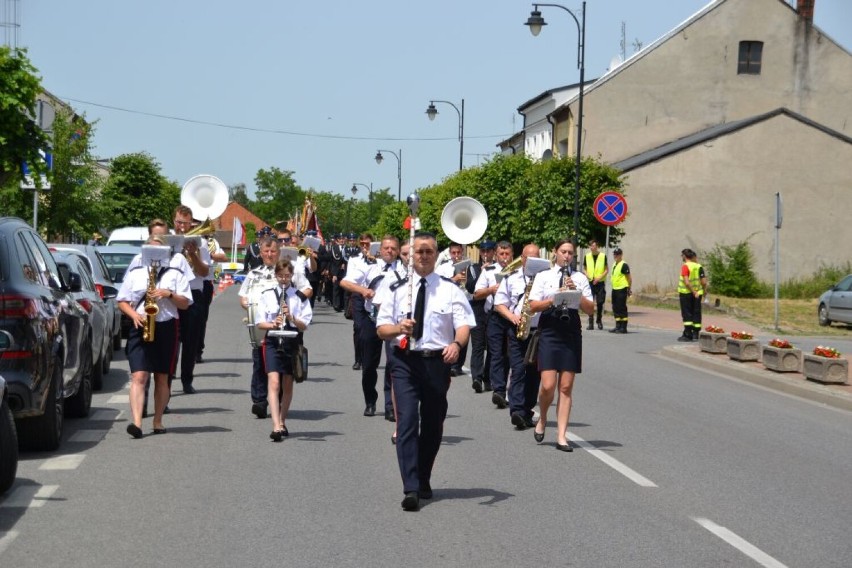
(273,130)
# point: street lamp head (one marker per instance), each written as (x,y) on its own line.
(354,189)
(535,22)
(379,158)
(431,112)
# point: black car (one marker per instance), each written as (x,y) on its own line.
(44,333)
(75,271)
(8,442)
(104,284)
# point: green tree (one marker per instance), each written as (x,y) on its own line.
(238,193)
(137,192)
(20,137)
(278,195)
(73,205)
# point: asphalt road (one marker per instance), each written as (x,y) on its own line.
(675,466)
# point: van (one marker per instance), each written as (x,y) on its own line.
(134,236)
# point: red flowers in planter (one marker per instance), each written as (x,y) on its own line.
(714,329)
(829,352)
(780,343)
(741,335)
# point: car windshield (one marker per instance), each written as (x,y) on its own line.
(117,263)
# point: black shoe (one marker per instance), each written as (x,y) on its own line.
(167,410)
(591,327)
(600,325)
(145,413)
(564,447)
(454,372)
(393,439)
(199,359)
(276,435)
(518,421)
(411,501)
(425,491)
(157,431)
(530,423)
(389,416)
(499,400)
(370,410)
(477,385)
(284,431)
(258,409)
(189,389)
(134,430)
(486,386)
(616,329)
(356,366)
(685,339)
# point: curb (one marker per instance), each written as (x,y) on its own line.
(794,385)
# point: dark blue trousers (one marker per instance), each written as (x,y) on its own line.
(479,363)
(421,386)
(496,333)
(259,379)
(388,382)
(190,333)
(523,389)
(371,356)
(357,313)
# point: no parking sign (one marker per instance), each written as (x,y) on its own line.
(610,208)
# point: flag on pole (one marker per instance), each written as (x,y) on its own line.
(239,236)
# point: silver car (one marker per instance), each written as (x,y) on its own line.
(836,303)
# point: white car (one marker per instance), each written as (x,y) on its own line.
(836,304)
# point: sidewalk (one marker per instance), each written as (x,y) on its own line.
(838,396)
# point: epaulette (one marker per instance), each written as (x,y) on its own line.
(398,283)
(450,280)
(514,272)
(375,282)
(301,295)
(491,267)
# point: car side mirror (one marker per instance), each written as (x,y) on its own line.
(110,292)
(75,283)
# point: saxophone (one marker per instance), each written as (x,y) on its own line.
(151,308)
(524,323)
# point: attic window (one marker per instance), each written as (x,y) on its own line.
(751,53)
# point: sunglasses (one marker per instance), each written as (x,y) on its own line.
(285,239)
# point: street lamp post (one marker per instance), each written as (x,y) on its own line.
(432,112)
(349,210)
(370,189)
(535,22)
(398,157)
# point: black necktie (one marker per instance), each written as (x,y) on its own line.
(419,310)
(387,267)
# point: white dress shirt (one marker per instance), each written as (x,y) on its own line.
(547,283)
(510,293)
(135,286)
(270,305)
(446,309)
(487,279)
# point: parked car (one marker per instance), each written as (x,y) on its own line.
(134,236)
(44,355)
(8,442)
(75,271)
(105,286)
(117,259)
(836,304)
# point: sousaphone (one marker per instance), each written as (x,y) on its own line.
(207,196)
(464,220)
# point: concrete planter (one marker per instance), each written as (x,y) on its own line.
(781,360)
(710,342)
(825,369)
(743,349)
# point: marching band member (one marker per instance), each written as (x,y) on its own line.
(560,352)
(283,308)
(508,302)
(216,255)
(486,287)
(171,292)
(439,327)
(269,253)
(480,363)
(357,264)
(190,318)
(447,269)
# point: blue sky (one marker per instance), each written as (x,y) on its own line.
(349,76)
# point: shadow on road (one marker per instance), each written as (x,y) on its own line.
(491,496)
(311,414)
(319,436)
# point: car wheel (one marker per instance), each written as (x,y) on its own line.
(8,448)
(98,370)
(45,432)
(823,315)
(80,403)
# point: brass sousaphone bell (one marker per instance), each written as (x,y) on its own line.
(207,196)
(464,220)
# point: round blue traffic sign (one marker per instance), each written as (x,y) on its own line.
(610,208)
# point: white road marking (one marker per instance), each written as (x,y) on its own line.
(106,415)
(630,474)
(88,436)
(70,461)
(739,543)
(29,496)
(6,539)
(119,399)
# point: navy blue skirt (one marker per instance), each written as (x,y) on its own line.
(158,356)
(278,354)
(560,344)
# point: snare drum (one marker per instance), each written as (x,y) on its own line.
(256,287)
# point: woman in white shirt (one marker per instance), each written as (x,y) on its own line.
(560,346)
(284,310)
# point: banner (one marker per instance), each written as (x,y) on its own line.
(239,237)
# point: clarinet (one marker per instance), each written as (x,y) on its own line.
(413,206)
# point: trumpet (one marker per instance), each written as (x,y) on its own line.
(512,266)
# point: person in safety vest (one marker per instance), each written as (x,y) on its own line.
(596,269)
(620,281)
(691,288)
